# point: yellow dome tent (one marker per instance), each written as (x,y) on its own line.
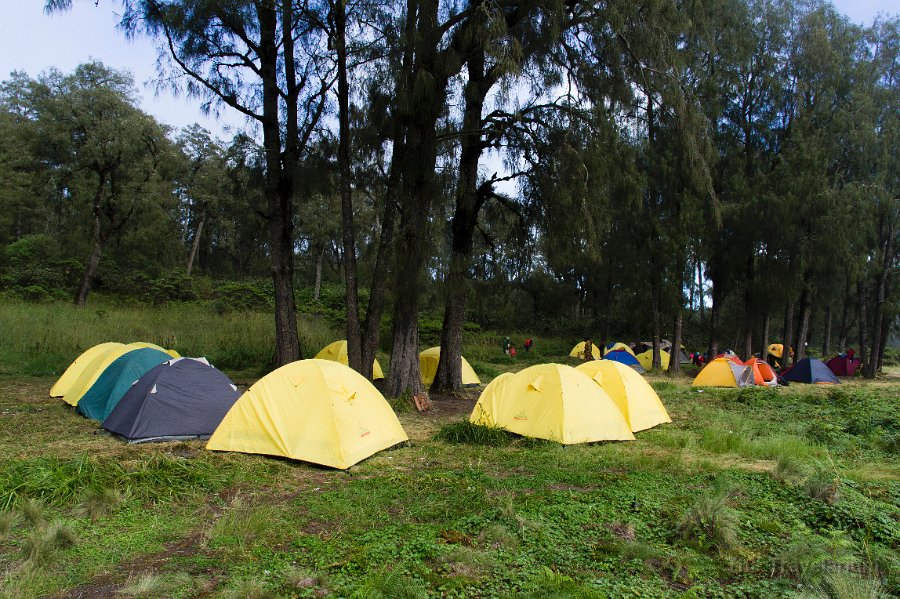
(646,359)
(551,401)
(77,367)
(428,364)
(578,351)
(86,369)
(337,352)
(617,346)
(722,372)
(317,411)
(634,396)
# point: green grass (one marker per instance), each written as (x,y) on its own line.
(745,494)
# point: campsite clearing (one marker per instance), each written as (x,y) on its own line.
(804,480)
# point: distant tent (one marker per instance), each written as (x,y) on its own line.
(623,357)
(116,380)
(634,396)
(551,401)
(428,364)
(317,411)
(730,355)
(337,352)
(578,351)
(810,370)
(722,372)
(646,359)
(666,345)
(86,372)
(617,346)
(843,365)
(762,372)
(75,369)
(178,399)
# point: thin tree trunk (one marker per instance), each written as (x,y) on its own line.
(279,191)
(845,316)
(465,219)
(787,335)
(657,334)
(714,321)
(90,269)
(826,337)
(354,340)
(764,354)
(803,332)
(861,298)
(196,244)
(675,350)
(320,259)
(700,292)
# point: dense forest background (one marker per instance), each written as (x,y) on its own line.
(722,173)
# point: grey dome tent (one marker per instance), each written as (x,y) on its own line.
(179,399)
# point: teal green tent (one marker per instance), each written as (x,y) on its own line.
(116,380)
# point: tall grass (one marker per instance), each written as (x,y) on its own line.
(43,339)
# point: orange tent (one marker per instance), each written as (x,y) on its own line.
(733,357)
(762,372)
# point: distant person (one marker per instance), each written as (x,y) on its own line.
(506,345)
(527,345)
(588,349)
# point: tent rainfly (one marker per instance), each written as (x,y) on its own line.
(428,364)
(337,352)
(634,396)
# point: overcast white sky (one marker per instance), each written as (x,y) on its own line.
(31,41)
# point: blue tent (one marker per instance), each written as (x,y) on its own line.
(116,380)
(623,357)
(810,370)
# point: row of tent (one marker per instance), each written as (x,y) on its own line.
(642,361)
(428,363)
(727,370)
(323,412)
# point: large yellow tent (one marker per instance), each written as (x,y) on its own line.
(634,396)
(337,352)
(646,359)
(87,369)
(617,346)
(317,411)
(551,401)
(578,351)
(722,372)
(428,364)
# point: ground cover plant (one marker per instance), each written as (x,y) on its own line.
(748,493)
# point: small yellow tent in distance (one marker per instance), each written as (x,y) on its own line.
(617,346)
(635,398)
(646,359)
(317,411)
(337,352)
(88,367)
(722,372)
(428,364)
(551,401)
(578,351)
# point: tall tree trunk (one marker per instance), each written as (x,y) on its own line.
(419,188)
(279,190)
(657,335)
(196,243)
(871,368)
(862,299)
(764,354)
(787,335)
(93,262)
(714,320)
(465,219)
(826,337)
(354,339)
(803,331)
(700,292)
(675,350)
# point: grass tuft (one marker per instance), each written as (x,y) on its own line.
(248,589)
(710,524)
(473,434)
(155,585)
(97,504)
(33,511)
(7,521)
(44,543)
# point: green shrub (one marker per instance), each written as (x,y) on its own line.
(710,524)
(245,297)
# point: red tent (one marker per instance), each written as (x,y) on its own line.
(843,365)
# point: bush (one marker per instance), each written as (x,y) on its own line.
(245,297)
(710,524)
